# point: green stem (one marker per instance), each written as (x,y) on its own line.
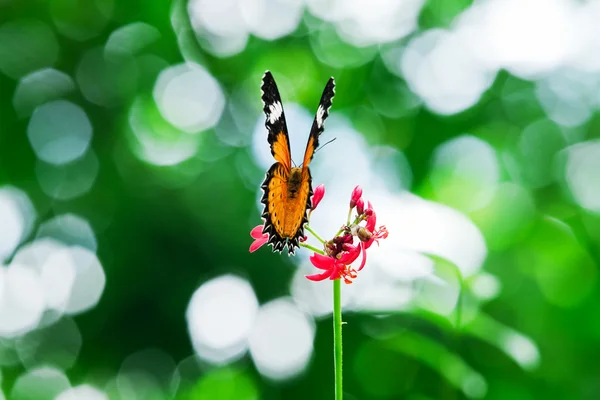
(337,338)
(356,220)
(314,234)
(349,216)
(308,246)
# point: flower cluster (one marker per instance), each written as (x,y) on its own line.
(341,252)
(338,254)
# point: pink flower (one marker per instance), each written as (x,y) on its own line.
(336,267)
(259,238)
(356,195)
(318,195)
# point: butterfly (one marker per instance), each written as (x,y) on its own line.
(288,189)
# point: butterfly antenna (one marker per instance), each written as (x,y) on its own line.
(320,147)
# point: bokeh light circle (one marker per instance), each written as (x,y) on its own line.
(271,19)
(57,344)
(130,40)
(221,18)
(281,341)
(89,281)
(156,141)
(440,67)
(39,87)
(59,132)
(363,23)
(581,173)
(69,229)
(189,97)
(148,373)
(81,21)
(16,219)
(68,181)
(465,173)
(220,316)
(107,81)
(43,383)
(22,302)
(69,279)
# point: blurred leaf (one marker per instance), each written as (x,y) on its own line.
(224,384)
(445,362)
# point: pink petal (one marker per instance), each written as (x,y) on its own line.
(350,256)
(335,271)
(364,258)
(322,262)
(318,196)
(319,277)
(258,243)
(371,221)
(256,232)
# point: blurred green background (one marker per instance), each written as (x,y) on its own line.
(132,148)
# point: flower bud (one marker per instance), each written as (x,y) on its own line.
(318,195)
(347,238)
(363,234)
(331,248)
(356,195)
(360,206)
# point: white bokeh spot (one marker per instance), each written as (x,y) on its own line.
(220,316)
(281,341)
(21,302)
(16,219)
(583,164)
(189,97)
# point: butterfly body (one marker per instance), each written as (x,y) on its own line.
(287,189)
(294,182)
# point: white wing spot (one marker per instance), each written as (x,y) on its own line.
(275,112)
(320,113)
